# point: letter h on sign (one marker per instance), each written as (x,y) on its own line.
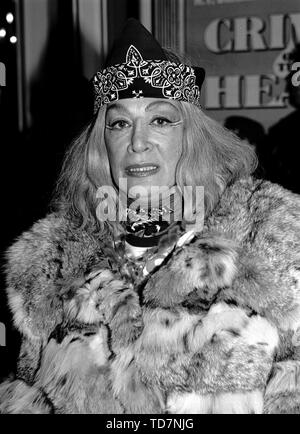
(2,74)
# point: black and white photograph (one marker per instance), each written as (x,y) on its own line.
(150,236)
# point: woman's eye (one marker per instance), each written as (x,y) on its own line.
(118,125)
(161,122)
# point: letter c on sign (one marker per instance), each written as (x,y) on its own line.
(213,36)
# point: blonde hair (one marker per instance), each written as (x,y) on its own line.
(212,157)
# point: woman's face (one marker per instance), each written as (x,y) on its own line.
(144,141)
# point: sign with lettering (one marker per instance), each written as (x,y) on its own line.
(244,47)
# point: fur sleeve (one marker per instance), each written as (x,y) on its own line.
(275,241)
(265,219)
(40,264)
(18,397)
(283,391)
(33,266)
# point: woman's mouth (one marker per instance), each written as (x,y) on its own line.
(141,170)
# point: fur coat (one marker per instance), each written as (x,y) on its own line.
(216,328)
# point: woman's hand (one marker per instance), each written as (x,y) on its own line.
(84,296)
(106,298)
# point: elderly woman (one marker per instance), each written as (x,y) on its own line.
(140,294)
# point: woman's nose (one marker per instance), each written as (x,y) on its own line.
(139,138)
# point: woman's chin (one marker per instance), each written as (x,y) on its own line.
(146,187)
(143,186)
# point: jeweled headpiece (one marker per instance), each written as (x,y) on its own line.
(138,67)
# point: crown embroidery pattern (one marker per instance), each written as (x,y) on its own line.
(176,80)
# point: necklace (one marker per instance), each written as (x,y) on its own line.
(147,223)
(153,214)
(144,228)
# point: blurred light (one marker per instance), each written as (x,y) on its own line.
(2,33)
(9,17)
(13,39)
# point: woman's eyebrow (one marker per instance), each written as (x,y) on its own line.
(116,106)
(161,104)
